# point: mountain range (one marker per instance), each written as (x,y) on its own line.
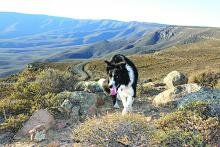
(26,38)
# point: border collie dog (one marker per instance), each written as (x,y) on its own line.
(122,82)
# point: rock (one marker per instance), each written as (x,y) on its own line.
(211,96)
(40,118)
(175,94)
(6,137)
(75,112)
(99,102)
(2,119)
(61,125)
(147,81)
(92,111)
(78,103)
(175,78)
(89,86)
(67,105)
(38,133)
(36,66)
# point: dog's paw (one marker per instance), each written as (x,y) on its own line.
(116,106)
(126,110)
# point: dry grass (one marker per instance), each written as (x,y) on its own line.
(185,58)
(114,130)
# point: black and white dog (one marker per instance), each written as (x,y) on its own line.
(122,82)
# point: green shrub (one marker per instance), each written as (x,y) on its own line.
(55,81)
(31,92)
(13,122)
(14,106)
(196,118)
(5,89)
(209,79)
(176,138)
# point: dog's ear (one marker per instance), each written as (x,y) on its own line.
(109,64)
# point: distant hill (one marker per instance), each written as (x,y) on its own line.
(148,43)
(26,30)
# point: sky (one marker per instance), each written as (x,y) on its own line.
(177,12)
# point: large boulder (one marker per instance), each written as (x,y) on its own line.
(79,104)
(175,94)
(175,78)
(39,119)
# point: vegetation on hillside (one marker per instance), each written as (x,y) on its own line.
(210,79)
(115,129)
(188,58)
(193,125)
(29,91)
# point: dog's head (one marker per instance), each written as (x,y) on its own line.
(117,75)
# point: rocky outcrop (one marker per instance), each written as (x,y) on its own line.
(80,104)
(163,34)
(40,121)
(175,78)
(175,94)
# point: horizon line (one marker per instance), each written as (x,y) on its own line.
(109,19)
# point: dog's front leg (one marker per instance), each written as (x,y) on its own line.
(127,103)
(124,102)
(115,102)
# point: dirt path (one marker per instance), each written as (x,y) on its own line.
(78,69)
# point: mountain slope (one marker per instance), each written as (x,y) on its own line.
(25,30)
(149,43)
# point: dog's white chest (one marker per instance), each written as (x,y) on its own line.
(125,91)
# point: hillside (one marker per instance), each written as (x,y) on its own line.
(82,113)
(148,43)
(68,93)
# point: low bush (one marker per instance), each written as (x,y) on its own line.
(114,130)
(55,81)
(209,79)
(195,119)
(176,138)
(31,92)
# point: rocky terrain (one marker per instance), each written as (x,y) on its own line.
(57,104)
